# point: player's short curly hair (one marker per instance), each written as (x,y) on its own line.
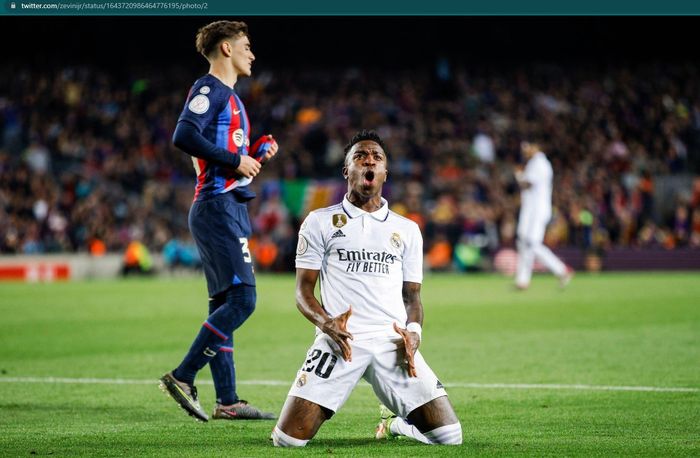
(209,36)
(365,135)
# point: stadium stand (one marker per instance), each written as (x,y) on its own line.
(87,162)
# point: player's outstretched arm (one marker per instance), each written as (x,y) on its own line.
(308,305)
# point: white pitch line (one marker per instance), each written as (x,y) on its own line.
(123,381)
(557,386)
(514,386)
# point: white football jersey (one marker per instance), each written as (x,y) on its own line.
(537,199)
(363,259)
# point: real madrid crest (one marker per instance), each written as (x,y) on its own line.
(301,381)
(339,220)
(395,240)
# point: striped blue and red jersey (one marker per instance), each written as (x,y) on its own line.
(218,114)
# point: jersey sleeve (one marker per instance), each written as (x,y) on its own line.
(203,105)
(413,256)
(538,172)
(310,247)
(531,173)
(547,171)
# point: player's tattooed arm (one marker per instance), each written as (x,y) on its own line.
(414,313)
(412,302)
(308,305)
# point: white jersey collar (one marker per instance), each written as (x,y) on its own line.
(354,212)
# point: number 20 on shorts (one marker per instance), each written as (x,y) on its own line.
(325,364)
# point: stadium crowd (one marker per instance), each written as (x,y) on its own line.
(87,162)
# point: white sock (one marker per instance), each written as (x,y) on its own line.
(399,427)
(280,439)
(526,259)
(446,435)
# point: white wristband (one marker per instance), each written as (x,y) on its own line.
(415,327)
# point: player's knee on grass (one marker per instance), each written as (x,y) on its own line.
(280,439)
(300,417)
(446,435)
(434,414)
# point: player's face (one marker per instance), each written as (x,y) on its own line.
(366,168)
(528,149)
(241,56)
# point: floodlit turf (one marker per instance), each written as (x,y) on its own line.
(607,330)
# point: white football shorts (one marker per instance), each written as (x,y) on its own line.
(327,379)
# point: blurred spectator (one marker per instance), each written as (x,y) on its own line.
(137,259)
(97,247)
(264,252)
(181,252)
(681,225)
(87,161)
(439,257)
(483,146)
(695,231)
(38,158)
(467,255)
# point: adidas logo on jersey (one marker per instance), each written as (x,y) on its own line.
(337,234)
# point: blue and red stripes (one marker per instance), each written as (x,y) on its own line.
(238,120)
(201,169)
(233,119)
(242,122)
(229,126)
(216,331)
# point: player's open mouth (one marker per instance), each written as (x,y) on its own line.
(369,177)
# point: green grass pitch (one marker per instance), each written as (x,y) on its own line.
(609,330)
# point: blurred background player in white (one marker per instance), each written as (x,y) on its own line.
(535,212)
(369,318)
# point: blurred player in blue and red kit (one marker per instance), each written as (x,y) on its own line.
(214,129)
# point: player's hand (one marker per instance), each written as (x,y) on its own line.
(274,147)
(336,329)
(248,167)
(264,148)
(411,341)
(519,174)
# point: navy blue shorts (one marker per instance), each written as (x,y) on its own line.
(220,227)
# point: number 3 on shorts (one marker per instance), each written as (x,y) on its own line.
(245,250)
